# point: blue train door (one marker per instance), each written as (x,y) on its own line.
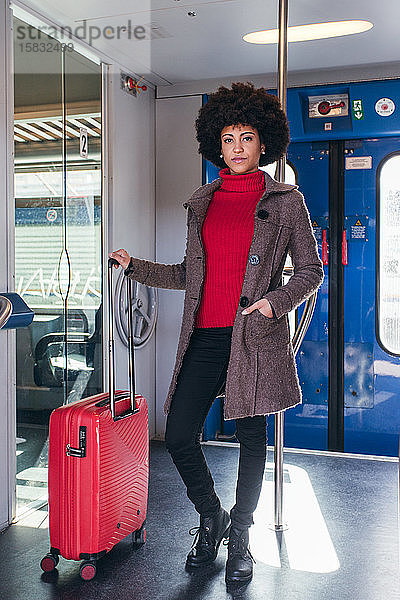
(372,296)
(306,425)
(348,363)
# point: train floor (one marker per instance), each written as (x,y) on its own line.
(341,540)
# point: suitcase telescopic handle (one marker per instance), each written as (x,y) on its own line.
(111,376)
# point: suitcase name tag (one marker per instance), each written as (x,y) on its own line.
(81,451)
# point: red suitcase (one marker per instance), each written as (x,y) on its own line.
(98,469)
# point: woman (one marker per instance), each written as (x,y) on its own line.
(240,228)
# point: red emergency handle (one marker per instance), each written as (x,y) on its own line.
(324,248)
(344,248)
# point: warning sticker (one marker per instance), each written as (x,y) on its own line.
(319,223)
(317,231)
(358,229)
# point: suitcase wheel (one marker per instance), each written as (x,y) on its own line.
(139,536)
(49,562)
(87,570)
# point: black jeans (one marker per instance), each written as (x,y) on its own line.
(200,379)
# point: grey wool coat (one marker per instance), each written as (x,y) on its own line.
(262,376)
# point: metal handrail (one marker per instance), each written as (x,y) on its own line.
(306,317)
(304,322)
(5,310)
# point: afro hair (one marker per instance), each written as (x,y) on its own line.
(242,105)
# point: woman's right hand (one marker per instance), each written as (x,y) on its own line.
(122,257)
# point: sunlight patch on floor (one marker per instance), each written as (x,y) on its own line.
(306,542)
(39,519)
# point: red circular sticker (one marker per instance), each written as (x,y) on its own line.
(385,107)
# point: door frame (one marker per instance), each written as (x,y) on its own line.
(8,383)
(336,298)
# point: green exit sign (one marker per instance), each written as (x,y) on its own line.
(358,109)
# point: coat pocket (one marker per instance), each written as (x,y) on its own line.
(277,386)
(267,330)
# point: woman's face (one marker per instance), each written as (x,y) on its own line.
(241,148)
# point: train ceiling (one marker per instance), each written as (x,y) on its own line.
(178,47)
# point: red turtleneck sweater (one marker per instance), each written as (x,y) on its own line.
(227,233)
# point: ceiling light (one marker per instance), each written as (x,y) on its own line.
(314,31)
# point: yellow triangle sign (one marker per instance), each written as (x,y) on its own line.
(315,224)
(358,222)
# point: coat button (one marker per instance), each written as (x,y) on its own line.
(244,301)
(254,259)
(262,214)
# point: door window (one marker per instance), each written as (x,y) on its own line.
(290,174)
(388,272)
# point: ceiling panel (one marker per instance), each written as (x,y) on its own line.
(179,48)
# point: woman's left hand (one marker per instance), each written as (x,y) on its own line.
(262,305)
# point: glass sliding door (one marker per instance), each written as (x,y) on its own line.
(57,243)
(82,189)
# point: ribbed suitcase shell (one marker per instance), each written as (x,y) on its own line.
(96,501)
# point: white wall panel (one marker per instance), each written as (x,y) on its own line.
(178,174)
(131,212)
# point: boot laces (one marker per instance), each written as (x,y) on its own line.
(237,547)
(201,536)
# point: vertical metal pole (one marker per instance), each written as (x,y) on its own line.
(282,69)
(279,417)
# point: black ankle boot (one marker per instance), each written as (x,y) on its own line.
(208,538)
(239,566)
